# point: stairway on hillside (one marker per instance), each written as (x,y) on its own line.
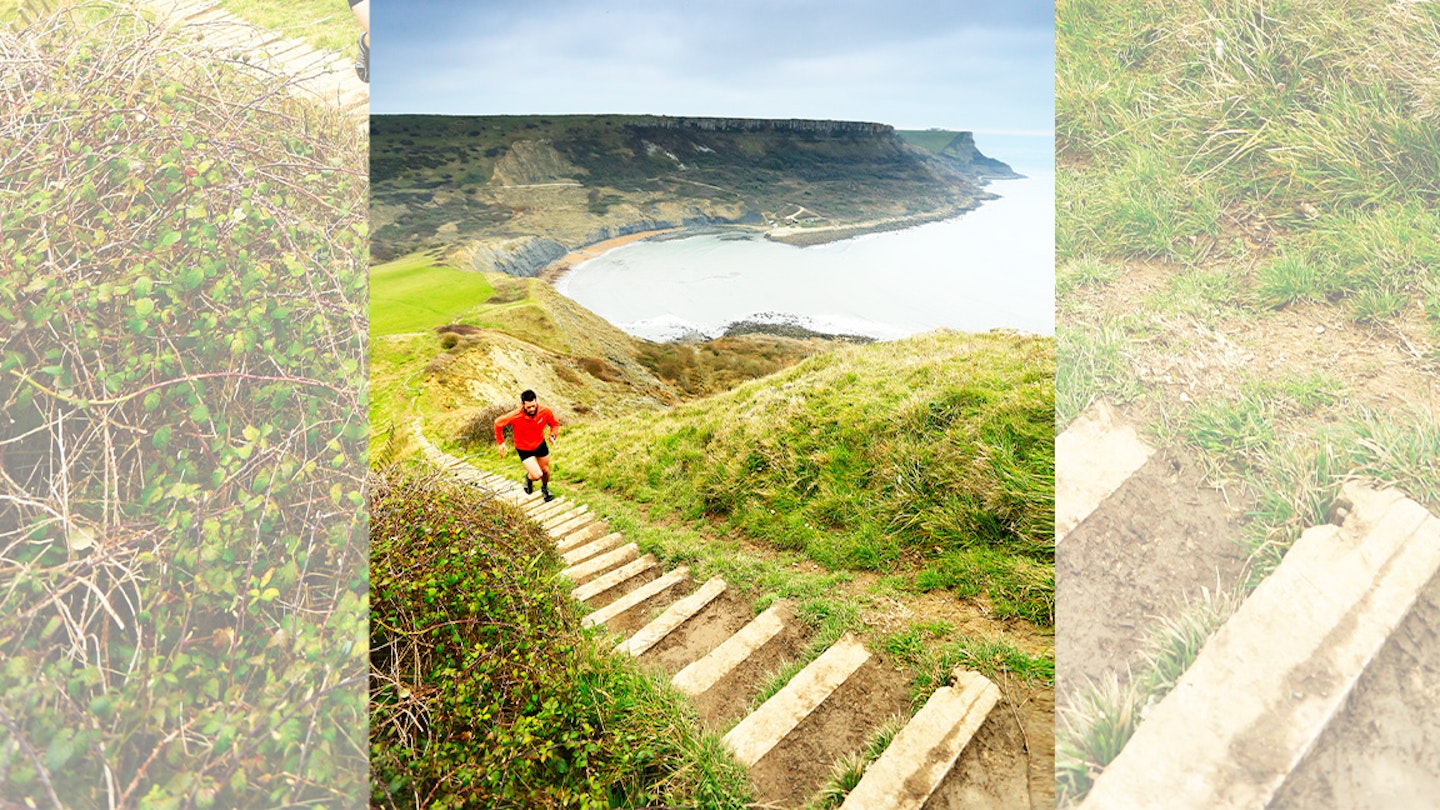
(719,654)
(1321,690)
(308,72)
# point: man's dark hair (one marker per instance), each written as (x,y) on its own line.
(527,396)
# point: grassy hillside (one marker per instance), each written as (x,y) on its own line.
(930,456)
(1297,144)
(499,335)
(442,180)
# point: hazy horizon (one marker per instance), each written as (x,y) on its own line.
(917,64)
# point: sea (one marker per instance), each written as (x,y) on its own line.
(990,268)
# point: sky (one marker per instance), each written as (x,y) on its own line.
(914,64)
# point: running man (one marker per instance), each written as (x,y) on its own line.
(528,424)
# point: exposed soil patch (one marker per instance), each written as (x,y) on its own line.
(1158,540)
(1379,751)
(799,764)
(1010,763)
(701,633)
(891,613)
(1385,366)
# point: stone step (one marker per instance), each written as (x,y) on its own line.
(581,536)
(592,548)
(556,519)
(926,749)
(545,511)
(753,737)
(637,599)
(577,522)
(674,616)
(595,566)
(1269,681)
(702,675)
(1093,457)
(619,579)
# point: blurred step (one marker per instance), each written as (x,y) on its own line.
(577,522)
(1093,457)
(569,512)
(674,616)
(545,510)
(592,548)
(926,749)
(1266,685)
(581,536)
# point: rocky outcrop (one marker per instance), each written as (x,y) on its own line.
(516,256)
(693,219)
(528,163)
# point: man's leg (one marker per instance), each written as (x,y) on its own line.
(362,13)
(361,8)
(532,473)
(545,475)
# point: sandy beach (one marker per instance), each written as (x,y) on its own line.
(561,266)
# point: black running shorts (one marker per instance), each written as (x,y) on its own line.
(540,452)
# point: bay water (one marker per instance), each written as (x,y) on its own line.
(992,267)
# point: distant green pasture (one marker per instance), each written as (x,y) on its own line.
(413,293)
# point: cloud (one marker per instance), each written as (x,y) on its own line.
(911,63)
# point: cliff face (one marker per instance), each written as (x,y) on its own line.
(516,256)
(766,125)
(516,192)
(962,151)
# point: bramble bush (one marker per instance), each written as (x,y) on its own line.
(485,690)
(182,427)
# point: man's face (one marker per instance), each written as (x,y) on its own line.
(530,407)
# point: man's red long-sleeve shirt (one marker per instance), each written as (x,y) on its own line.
(529,430)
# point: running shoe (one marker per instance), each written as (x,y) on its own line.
(362,61)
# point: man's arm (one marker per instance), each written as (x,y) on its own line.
(500,424)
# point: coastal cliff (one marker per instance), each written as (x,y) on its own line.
(514,193)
